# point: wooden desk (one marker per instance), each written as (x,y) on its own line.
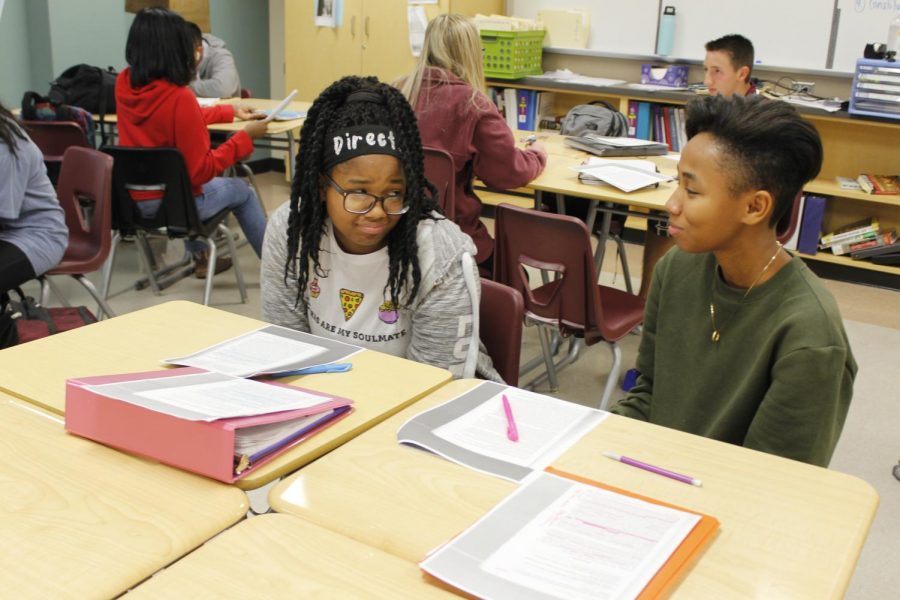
(277,129)
(788,530)
(279,556)
(81,520)
(379,384)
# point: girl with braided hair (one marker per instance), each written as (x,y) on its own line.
(360,253)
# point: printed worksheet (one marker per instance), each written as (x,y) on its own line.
(270,349)
(209,396)
(471,429)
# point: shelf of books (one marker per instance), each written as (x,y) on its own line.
(854,147)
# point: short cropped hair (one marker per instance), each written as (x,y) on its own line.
(765,145)
(159,47)
(739,48)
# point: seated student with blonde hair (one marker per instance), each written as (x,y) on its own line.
(741,341)
(446,89)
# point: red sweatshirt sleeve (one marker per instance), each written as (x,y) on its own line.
(192,139)
(220,113)
(498,162)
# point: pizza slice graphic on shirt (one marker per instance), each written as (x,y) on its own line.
(350,301)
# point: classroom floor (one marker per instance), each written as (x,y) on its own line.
(869,446)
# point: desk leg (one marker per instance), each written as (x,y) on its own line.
(602,236)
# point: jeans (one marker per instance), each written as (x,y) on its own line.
(218,194)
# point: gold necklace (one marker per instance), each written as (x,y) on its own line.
(716,334)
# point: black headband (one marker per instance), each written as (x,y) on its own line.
(342,145)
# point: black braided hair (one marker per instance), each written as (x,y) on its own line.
(9,129)
(306,223)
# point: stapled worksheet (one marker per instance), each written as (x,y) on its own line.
(473,430)
(270,349)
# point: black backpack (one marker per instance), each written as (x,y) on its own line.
(90,88)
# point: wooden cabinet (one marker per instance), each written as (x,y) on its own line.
(852,145)
(372,40)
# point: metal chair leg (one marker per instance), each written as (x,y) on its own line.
(613,378)
(108,267)
(232,250)
(145,255)
(626,272)
(103,306)
(210,270)
(548,359)
(251,178)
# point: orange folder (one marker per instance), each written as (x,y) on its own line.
(686,553)
(203,447)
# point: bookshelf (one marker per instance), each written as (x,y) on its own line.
(853,144)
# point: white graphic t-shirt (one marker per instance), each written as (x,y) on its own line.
(350,303)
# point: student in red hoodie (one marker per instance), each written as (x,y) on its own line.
(446,89)
(155,108)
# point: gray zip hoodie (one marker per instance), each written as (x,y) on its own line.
(441,316)
(217,75)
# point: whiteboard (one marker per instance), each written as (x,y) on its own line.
(861,22)
(785,33)
(615,26)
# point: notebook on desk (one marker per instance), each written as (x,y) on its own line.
(615,146)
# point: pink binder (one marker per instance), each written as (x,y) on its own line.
(203,447)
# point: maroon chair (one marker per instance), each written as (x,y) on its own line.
(85,193)
(572,301)
(440,171)
(53,138)
(500,327)
(245,93)
(788,224)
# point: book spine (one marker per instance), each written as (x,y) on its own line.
(632,118)
(865,183)
(845,243)
(811,224)
(835,238)
(643,120)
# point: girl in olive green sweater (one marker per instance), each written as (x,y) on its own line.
(741,341)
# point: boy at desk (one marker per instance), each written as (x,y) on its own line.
(741,341)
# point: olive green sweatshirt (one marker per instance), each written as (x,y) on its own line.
(780,378)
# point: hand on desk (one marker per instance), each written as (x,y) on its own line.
(536,147)
(246,113)
(256,129)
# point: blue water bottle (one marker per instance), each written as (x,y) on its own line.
(666,32)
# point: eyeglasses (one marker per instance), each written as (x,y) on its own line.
(360,202)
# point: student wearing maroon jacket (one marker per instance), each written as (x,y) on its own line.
(156,108)
(446,89)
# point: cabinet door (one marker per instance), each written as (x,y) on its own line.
(314,57)
(385,42)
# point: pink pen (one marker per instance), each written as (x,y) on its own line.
(653,469)
(511,431)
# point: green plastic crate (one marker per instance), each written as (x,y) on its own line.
(512,54)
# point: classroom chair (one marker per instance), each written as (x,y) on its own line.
(53,138)
(788,224)
(163,169)
(440,171)
(571,301)
(500,324)
(85,193)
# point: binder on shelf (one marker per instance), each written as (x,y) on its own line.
(526,109)
(811,224)
(213,448)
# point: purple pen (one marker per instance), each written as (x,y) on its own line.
(658,470)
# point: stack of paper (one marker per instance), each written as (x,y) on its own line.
(270,349)
(558,536)
(626,175)
(471,430)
